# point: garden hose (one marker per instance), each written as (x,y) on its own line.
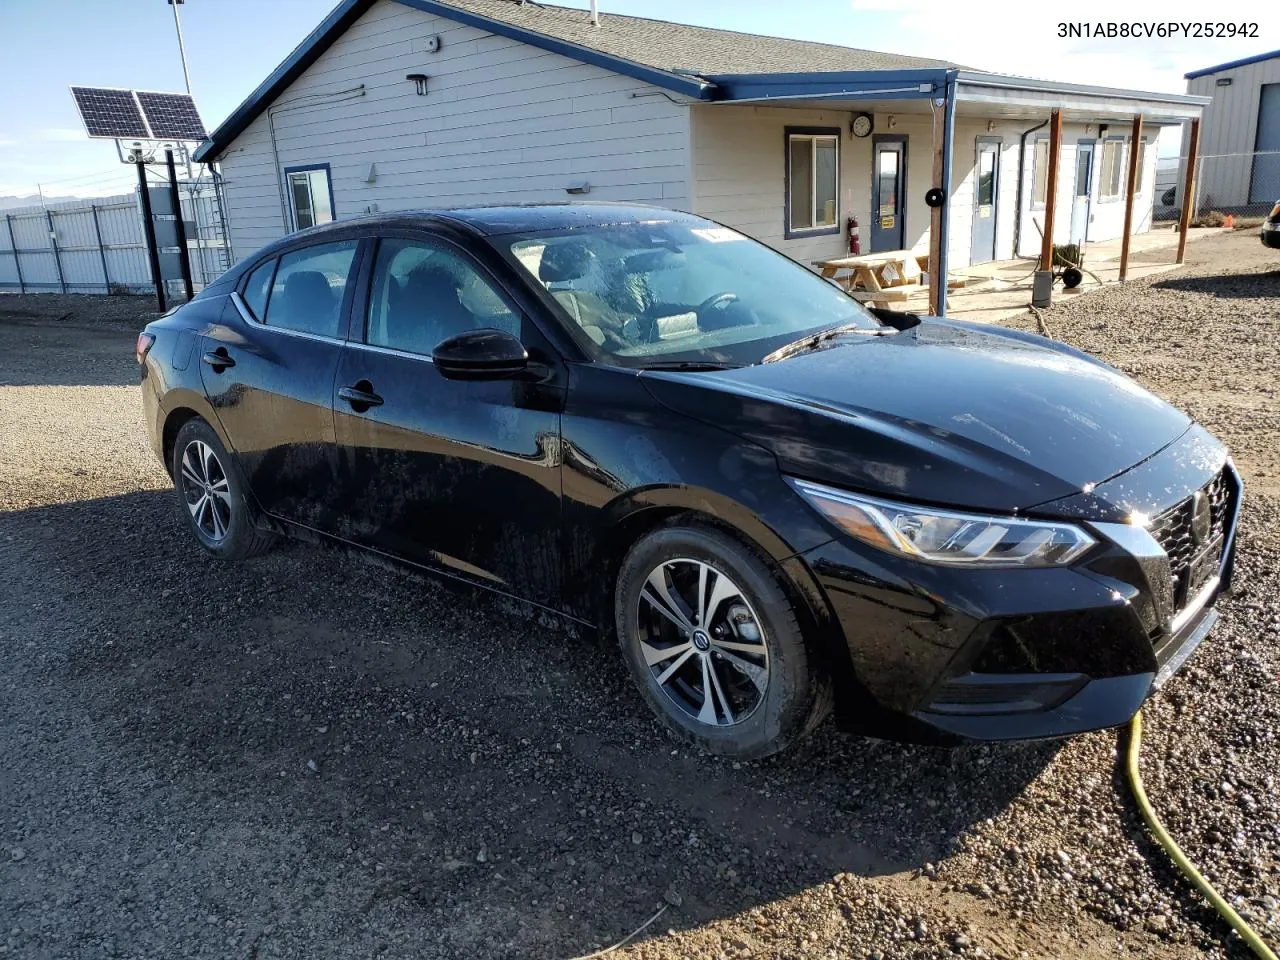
(1247,933)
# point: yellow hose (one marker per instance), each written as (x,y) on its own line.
(1237,922)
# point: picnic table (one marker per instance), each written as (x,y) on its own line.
(878,278)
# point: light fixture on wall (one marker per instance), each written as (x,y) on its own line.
(991,125)
(419,83)
(891,121)
(578,189)
(371,175)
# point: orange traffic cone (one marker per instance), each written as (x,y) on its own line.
(1229,223)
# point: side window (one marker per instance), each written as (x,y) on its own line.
(256,290)
(423,294)
(307,293)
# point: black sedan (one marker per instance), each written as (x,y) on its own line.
(777,500)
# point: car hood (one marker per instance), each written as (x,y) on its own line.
(945,412)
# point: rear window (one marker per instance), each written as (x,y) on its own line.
(256,290)
(309,285)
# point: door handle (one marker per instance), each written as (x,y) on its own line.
(360,396)
(218,359)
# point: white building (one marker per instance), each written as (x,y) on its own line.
(401,104)
(1240,134)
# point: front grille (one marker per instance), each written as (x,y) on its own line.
(1174,530)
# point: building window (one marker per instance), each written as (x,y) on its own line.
(311,193)
(813,181)
(1142,162)
(1040,173)
(1112,181)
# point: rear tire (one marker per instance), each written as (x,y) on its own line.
(742,639)
(213,495)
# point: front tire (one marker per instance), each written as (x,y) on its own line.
(714,644)
(213,495)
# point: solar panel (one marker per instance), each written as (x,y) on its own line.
(172,116)
(111,113)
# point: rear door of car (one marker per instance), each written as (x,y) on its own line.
(458,475)
(268,369)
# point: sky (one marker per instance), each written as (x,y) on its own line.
(233,44)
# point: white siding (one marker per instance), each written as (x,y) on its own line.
(739,163)
(1229,131)
(502,122)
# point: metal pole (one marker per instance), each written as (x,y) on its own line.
(182,50)
(102,251)
(180,228)
(149,228)
(944,222)
(53,242)
(17,260)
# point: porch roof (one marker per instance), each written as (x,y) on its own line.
(978,94)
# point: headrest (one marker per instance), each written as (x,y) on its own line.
(307,283)
(565,261)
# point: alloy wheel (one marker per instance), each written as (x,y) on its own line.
(703,644)
(206,490)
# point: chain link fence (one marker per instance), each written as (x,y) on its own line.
(1244,186)
(98,245)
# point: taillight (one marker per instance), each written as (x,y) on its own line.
(145,340)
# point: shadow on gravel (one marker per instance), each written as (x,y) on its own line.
(1235,286)
(48,352)
(350,739)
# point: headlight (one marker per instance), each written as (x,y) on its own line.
(944,536)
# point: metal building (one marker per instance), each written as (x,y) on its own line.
(1240,134)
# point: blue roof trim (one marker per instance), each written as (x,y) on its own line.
(895,84)
(304,55)
(1227,66)
(691,86)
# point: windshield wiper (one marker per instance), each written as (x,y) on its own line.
(690,365)
(815,340)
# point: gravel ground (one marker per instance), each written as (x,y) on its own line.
(309,755)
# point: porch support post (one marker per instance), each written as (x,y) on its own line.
(1188,189)
(1135,142)
(935,213)
(940,218)
(1051,189)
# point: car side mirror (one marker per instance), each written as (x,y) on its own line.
(484,354)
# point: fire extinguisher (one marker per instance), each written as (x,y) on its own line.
(855,241)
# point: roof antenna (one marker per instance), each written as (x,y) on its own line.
(595,13)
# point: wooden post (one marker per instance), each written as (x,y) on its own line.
(1051,189)
(1135,147)
(1188,189)
(935,213)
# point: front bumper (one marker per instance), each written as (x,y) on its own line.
(945,653)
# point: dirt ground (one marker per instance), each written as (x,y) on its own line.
(307,755)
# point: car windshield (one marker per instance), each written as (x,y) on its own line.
(663,293)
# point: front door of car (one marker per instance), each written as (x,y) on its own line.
(459,475)
(268,370)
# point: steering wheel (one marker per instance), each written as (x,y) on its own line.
(717,301)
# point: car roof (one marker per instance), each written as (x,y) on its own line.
(492,221)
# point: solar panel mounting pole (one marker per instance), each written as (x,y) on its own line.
(182,50)
(179,227)
(149,228)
